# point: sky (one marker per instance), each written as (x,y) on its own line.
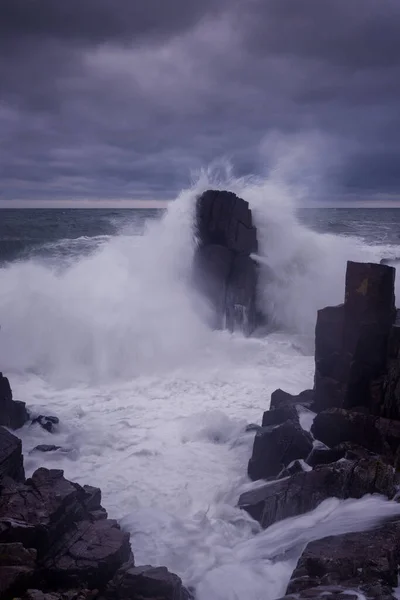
(114,101)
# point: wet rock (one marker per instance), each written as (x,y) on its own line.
(376,434)
(279,399)
(11,459)
(145,582)
(40,511)
(280,415)
(334,592)
(13,414)
(223,270)
(48,423)
(304,491)
(325,456)
(367,561)
(276,447)
(253,427)
(352,339)
(79,594)
(88,553)
(45,448)
(17,566)
(296,466)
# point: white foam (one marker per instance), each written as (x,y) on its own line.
(154,405)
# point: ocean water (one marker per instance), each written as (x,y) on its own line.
(99,326)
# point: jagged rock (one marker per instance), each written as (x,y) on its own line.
(334,592)
(276,447)
(279,399)
(304,491)
(88,553)
(280,415)
(366,561)
(223,270)
(376,434)
(352,339)
(13,414)
(297,466)
(47,422)
(326,456)
(145,583)
(17,565)
(11,459)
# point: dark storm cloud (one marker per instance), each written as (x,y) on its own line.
(122,98)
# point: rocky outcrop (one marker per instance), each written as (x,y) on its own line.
(57,543)
(352,340)
(303,492)
(275,447)
(223,270)
(13,414)
(366,561)
(279,399)
(376,434)
(11,461)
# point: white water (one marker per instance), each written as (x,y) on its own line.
(153,405)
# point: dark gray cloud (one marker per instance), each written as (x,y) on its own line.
(122,99)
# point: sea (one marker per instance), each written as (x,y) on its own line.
(99,326)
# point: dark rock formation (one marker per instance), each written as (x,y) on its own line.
(279,398)
(11,460)
(13,414)
(223,269)
(376,434)
(280,415)
(276,447)
(352,339)
(304,491)
(56,542)
(142,583)
(366,561)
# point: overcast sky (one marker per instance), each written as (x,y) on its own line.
(124,99)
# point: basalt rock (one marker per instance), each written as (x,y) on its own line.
(11,460)
(305,491)
(280,415)
(367,561)
(48,423)
(13,414)
(376,434)
(279,399)
(223,270)
(276,447)
(145,583)
(352,340)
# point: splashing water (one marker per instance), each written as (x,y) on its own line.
(153,405)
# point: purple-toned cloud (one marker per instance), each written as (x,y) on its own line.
(120,99)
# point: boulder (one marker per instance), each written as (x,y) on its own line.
(145,583)
(223,270)
(17,566)
(87,554)
(276,447)
(13,414)
(365,561)
(279,399)
(351,340)
(305,491)
(11,459)
(376,434)
(326,456)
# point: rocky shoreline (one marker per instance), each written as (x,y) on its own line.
(341,439)
(56,541)
(352,449)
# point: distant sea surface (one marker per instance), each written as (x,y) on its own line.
(68,233)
